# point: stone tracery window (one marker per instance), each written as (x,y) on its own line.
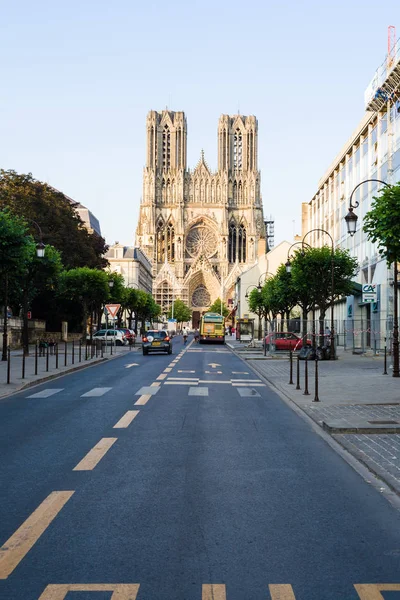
(242,243)
(170,243)
(237,149)
(232,243)
(166,148)
(201,239)
(201,297)
(160,238)
(237,243)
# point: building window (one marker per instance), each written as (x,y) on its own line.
(166,148)
(170,243)
(160,243)
(237,149)
(242,243)
(232,243)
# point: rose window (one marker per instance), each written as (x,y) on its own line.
(201,297)
(201,240)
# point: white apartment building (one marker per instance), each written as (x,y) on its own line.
(372,152)
(132,264)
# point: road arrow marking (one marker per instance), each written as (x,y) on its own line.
(132,365)
(213,365)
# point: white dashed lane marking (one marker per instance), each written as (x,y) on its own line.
(96,392)
(46,393)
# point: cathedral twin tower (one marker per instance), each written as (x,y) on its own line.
(199,228)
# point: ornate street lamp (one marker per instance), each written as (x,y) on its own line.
(351,221)
(259,287)
(288,264)
(247,291)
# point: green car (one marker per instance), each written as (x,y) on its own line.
(156,341)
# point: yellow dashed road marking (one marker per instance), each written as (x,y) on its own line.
(19,544)
(143,400)
(155,384)
(162,376)
(120,591)
(126,420)
(213,591)
(372,591)
(281,592)
(167,370)
(95,455)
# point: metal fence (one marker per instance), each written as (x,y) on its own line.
(356,335)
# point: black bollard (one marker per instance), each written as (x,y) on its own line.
(65,353)
(80,350)
(36,357)
(316,397)
(23,365)
(291,367)
(56,355)
(101,348)
(73,352)
(86,351)
(385,363)
(306,392)
(298,374)
(47,357)
(8,364)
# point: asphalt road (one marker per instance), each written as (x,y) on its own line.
(214,489)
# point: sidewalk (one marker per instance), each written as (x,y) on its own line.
(359,406)
(47,369)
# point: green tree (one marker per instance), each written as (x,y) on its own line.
(87,287)
(382,223)
(15,248)
(312,280)
(38,276)
(182,313)
(256,304)
(286,295)
(59,221)
(216,308)
(117,293)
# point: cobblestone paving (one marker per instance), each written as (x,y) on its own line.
(380,452)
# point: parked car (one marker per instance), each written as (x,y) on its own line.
(156,341)
(284,340)
(129,333)
(114,336)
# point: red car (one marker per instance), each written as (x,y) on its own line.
(284,340)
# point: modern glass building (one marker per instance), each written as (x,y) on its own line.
(372,152)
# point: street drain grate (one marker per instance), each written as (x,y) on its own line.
(383,422)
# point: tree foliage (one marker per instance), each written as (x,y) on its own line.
(382,223)
(60,223)
(182,313)
(216,308)
(87,287)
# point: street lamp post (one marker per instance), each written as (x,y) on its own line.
(351,222)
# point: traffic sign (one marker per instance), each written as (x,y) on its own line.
(171,320)
(29,314)
(113,309)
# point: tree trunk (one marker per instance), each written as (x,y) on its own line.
(314,332)
(99,317)
(322,341)
(259,325)
(84,321)
(304,328)
(25,332)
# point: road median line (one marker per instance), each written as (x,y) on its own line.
(19,544)
(94,455)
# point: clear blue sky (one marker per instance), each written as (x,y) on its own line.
(79,77)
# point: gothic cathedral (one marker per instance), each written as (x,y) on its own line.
(201,229)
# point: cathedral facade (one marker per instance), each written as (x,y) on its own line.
(200,228)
